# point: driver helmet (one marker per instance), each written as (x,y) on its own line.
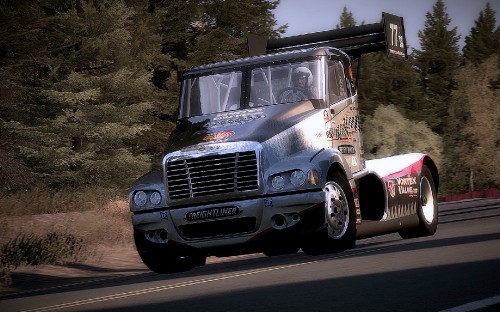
(302,72)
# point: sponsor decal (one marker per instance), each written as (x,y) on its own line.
(212,213)
(218,136)
(401,210)
(354,161)
(347,149)
(407,186)
(346,129)
(236,118)
(391,187)
(201,147)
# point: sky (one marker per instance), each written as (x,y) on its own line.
(305,16)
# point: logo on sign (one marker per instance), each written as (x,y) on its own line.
(211,213)
(391,187)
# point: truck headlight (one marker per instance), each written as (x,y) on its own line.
(155,198)
(297,178)
(140,198)
(278,182)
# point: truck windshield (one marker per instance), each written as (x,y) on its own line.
(269,85)
(286,83)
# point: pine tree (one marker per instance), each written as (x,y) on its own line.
(387,81)
(484,37)
(84,83)
(91,105)
(346,19)
(198,32)
(437,61)
(33,38)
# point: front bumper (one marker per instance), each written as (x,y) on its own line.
(248,221)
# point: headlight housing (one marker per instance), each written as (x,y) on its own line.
(155,198)
(294,180)
(278,182)
(297,178)
(140,198)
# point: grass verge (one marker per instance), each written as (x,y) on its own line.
(41,227)
(33,250)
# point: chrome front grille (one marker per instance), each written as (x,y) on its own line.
(212,175)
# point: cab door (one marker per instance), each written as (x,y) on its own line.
(342,117)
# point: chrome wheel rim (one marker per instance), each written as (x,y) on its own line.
(427,203)
(337,210)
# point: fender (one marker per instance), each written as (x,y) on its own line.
(326,160)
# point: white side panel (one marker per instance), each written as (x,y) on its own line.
(395,165)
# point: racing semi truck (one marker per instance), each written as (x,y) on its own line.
(267,156)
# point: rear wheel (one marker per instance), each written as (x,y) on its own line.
(427,210)
(339,232)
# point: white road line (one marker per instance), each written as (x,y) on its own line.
(476,305)
(191,283)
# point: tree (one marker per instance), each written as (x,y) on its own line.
(85,83)
(437,61)
(34,36)
(385,81)
(89,100)
(475,144)
(484,38)
(198,32)
(392,134)
(388,81)
(346,19)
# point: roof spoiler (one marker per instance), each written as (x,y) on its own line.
(389,35)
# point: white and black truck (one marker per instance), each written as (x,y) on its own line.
(267,156)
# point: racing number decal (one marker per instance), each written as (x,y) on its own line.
(395,39)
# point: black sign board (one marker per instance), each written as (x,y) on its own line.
(395,36)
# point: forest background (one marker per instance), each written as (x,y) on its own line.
(89,89)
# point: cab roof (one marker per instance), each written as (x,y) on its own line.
(269,58)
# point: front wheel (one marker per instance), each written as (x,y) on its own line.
(427,210)
(339,232)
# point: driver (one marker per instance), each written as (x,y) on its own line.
(302,78)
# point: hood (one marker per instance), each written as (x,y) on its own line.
(252,124)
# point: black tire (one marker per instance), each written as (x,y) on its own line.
(427,209)
(162,259)
(339,232)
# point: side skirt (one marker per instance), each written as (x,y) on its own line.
(374,228)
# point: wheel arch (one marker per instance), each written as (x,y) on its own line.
(336,168)
(372,197)
(433,169)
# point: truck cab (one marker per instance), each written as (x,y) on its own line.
(267,156)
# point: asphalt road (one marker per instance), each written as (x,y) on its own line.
(456,269)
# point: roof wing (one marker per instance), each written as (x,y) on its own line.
(389,35)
